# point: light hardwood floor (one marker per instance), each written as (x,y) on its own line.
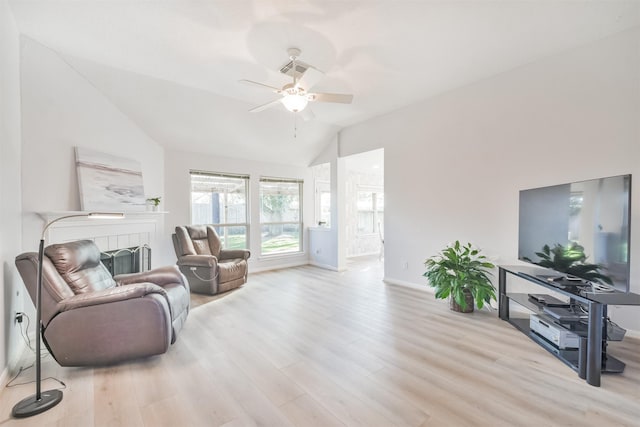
(310,347)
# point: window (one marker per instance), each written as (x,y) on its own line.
(323,203)
(221,200)
(370,210)
(280,215)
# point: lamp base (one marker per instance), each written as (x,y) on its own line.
(30,406)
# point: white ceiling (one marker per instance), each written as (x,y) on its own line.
(174,66)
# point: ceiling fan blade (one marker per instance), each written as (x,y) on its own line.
(307,114)
(340,98)
(265,106)
(252,83)
(310,78)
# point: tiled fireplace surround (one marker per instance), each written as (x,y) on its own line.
(134,230)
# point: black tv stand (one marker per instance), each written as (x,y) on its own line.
(590,360)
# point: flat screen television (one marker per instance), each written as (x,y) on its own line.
(582,230)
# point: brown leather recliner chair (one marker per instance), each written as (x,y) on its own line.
(90,318)
(209,268)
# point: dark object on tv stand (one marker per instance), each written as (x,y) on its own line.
(548,300)
(563,314)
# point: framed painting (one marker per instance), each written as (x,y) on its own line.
(107,182)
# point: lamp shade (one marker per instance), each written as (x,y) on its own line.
(294,102)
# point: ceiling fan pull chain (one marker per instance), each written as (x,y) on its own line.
(295,125)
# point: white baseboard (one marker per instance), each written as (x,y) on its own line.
(325,266)
(279,266)
(392,281)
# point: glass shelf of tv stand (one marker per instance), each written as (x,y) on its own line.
(572,291)
(525,301)
(538,308)
(570,357)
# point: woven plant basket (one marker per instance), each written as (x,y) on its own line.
(468,298)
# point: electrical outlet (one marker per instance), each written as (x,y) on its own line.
(405,265)
(18,318)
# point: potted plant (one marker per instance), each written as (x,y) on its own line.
(460,273)
(154,202)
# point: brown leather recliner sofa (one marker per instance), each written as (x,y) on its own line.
(90,318)
(209,268)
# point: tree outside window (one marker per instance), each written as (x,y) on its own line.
(221,200)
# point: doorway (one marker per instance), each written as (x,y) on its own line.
(364,207)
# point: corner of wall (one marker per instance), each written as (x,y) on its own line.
(11,299)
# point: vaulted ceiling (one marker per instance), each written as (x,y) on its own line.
(174,66)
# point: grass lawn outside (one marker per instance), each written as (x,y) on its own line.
(235,241)
(275,244)
(280,243)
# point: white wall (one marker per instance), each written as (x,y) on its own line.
(328,249)
(62,110)
(178,200)
(10,221)
(454,164)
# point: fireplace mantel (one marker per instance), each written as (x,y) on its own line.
(50,216)
(136,228)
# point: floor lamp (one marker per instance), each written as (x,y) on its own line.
(44,400)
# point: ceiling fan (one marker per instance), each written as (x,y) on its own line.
(296,95)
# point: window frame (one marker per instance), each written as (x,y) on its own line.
(300,221)
(225,226)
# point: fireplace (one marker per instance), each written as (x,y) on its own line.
(127,260)
(126,244)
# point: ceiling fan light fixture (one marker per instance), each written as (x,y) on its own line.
(294,102)
(295,95)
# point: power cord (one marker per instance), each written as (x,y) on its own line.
(580,307)
(194,271)
(22,369)
(24,332)
(25,336)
